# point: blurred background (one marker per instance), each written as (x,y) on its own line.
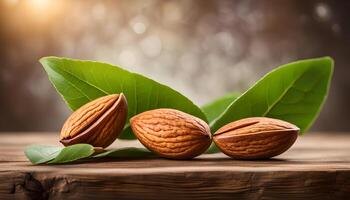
(202,48)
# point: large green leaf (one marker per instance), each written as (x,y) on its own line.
(215,108)
(294,92)
(79,82)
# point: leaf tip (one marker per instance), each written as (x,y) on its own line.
(328,60)
(44,61)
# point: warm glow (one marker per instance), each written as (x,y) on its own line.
(43,11)
(11,2)
(40,4)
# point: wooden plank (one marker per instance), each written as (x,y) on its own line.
(317,167)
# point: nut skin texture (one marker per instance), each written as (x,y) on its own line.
(171,133)
(255,138)
(98,122)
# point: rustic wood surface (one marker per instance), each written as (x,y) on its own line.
(316,167)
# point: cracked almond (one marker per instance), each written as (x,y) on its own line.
(255,138)
(98,122)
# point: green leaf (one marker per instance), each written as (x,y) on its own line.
(294,92)
(38,154)
(213,109)
(73,153)
(79,82)
(128,152)
(212,149)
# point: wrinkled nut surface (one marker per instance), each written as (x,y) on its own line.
(256,138)
(98,122)
(171,133)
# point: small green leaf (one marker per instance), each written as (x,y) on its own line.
(79,82)
(294,92)
(212,149)
(213,109)
(38,154)
(129,152)
(127,133)
(73,153)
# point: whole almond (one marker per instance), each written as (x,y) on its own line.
(171,133)
(256,138)
(98,122)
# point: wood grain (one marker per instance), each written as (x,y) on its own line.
(316,167)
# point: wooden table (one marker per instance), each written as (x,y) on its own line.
(316,167)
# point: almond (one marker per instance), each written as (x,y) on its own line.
(255,138)
(98,122)
(171,133)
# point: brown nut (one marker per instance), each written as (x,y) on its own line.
(98,122)
(255,138)
(171,133)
